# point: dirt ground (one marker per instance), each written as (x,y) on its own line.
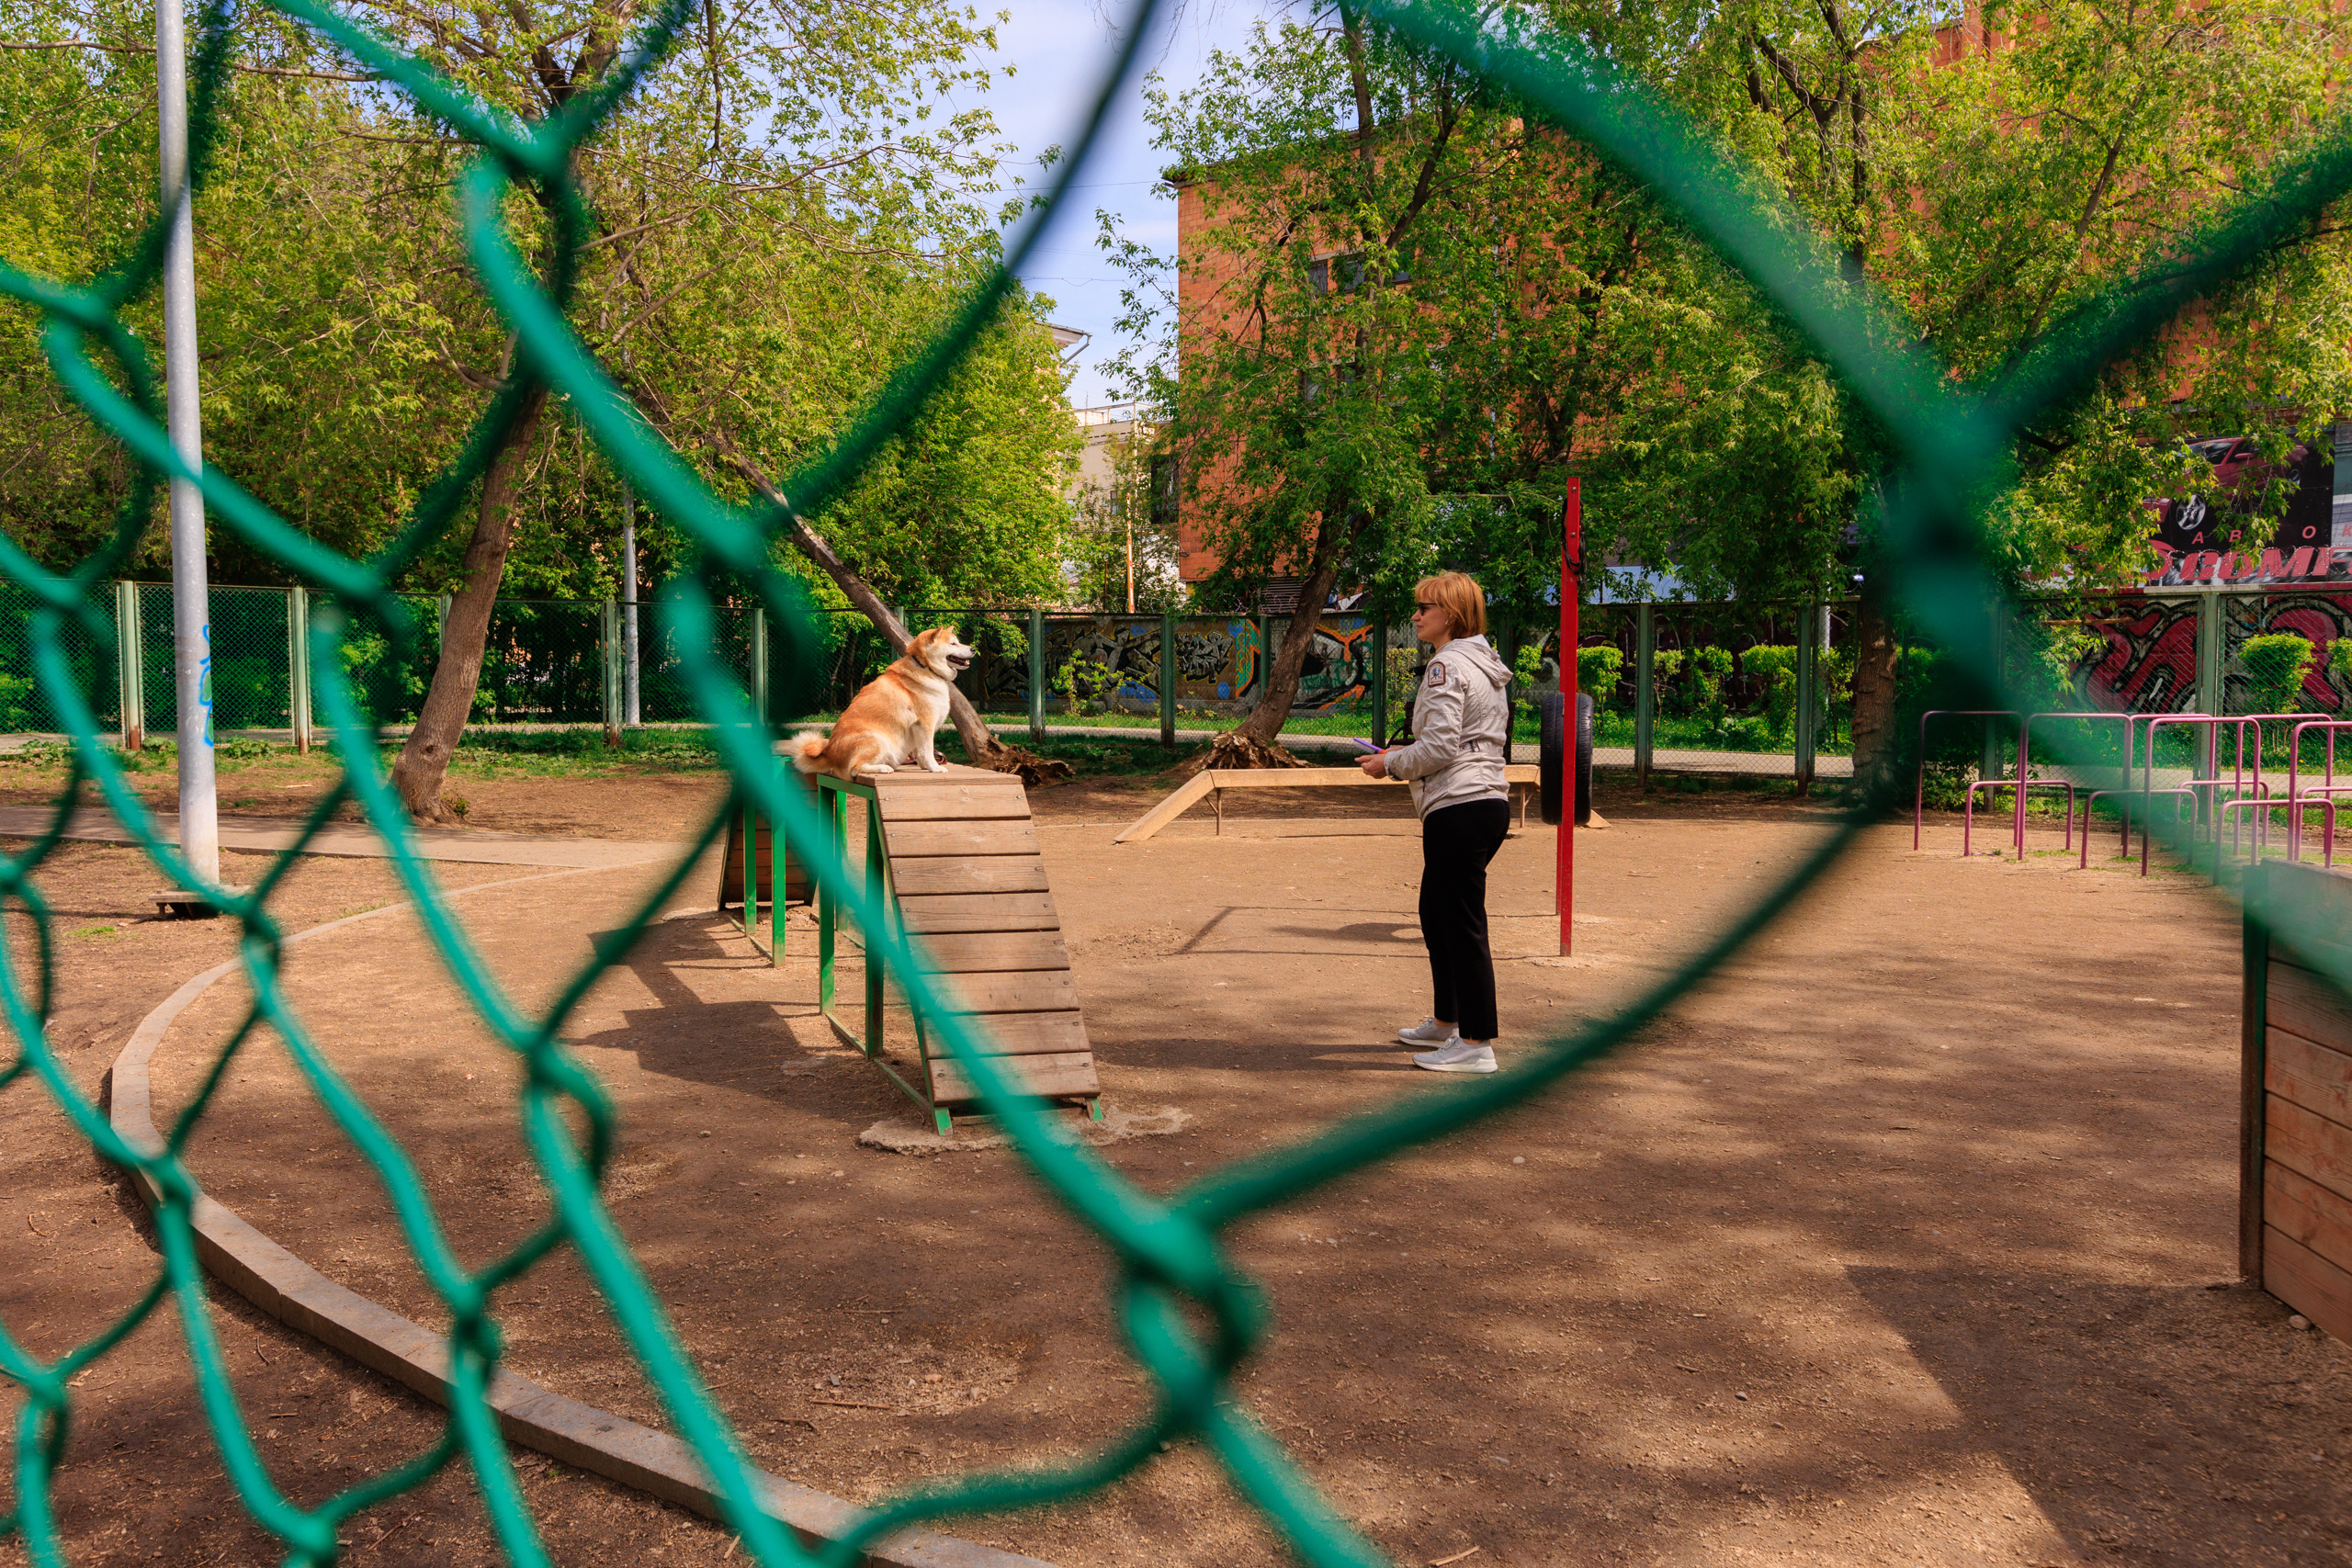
(660,806)
(1910,1238)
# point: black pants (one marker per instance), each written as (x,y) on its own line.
(1456,843)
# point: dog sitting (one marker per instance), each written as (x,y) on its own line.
(891,721)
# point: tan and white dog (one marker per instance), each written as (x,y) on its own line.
(891,722)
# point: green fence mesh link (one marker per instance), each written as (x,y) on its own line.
(1190,1318)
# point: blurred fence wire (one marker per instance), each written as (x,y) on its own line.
(1190,1316)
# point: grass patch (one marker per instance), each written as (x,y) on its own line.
(577,753)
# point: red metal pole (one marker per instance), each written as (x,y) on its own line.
(1571,583)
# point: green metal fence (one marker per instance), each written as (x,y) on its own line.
(1191,1316)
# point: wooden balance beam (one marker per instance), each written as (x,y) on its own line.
(955,857)
(1213,782)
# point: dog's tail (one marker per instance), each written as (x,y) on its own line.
(805,749)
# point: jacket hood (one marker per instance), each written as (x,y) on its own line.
(1477,653)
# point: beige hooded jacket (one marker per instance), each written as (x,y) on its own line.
(1460,719)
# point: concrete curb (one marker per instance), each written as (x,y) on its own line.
(298,1295)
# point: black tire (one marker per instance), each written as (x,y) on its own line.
(1551,711)
(1584,758)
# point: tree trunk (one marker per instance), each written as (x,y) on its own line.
(1878,748)
(1265,722)
(423,763)
(980,743)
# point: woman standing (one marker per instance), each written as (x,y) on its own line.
(1455,764)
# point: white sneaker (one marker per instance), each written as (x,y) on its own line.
(1457,1055)
(1429,1032)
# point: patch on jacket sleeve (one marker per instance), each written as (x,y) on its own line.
(1437,675)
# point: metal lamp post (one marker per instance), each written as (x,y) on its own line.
(191,611)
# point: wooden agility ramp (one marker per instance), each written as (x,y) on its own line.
(1210,785)
(955,854)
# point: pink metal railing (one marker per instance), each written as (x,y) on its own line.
(1919,785)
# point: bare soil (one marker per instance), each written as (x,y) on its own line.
(1909,1237)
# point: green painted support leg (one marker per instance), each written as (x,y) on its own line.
(776,888)
(873,941)
(751,868)
(943,1119)
(827,910)
(1094,1108)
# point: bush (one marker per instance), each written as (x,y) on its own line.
(1773,667)
(1597,672)
(16,703)
(2276,666)
(1665,667)
(1708,668)
(1742,732)
(1084,684)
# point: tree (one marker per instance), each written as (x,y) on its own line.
(1412,307)
(1986,177)
(1993,175)
(783,214)
(1123,541)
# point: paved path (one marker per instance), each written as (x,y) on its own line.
(267,834)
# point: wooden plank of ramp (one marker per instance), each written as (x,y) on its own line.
(945,913)
(965,874)
(964,867)
(1056,1076)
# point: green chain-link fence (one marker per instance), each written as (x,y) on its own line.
(1189,1318)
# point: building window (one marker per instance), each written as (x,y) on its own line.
(1164,478)
(1344,271)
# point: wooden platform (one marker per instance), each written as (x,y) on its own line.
(1211,784)
(960,857)
(2295,1193)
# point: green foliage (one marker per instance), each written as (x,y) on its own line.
(1666,674)
(1710,666)
(1739,732)
(1774,668)
(1402,673)
(1527,664)
(2276,665)
(1086,684)
(17,703)
(1117,523)
(1599,669)
(791,244)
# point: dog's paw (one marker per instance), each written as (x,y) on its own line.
(935,766)
(878,768)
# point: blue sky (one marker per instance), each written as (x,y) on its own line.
(1061,48)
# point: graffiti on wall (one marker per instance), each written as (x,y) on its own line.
(2319,617)
(2146,661)
(1220,661)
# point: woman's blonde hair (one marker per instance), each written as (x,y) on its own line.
(1459,595)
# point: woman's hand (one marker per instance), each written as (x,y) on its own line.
(1376,764)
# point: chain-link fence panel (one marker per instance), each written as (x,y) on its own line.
(87,643)
(542,663)
(2281,653)
(251,666)
(664,695)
